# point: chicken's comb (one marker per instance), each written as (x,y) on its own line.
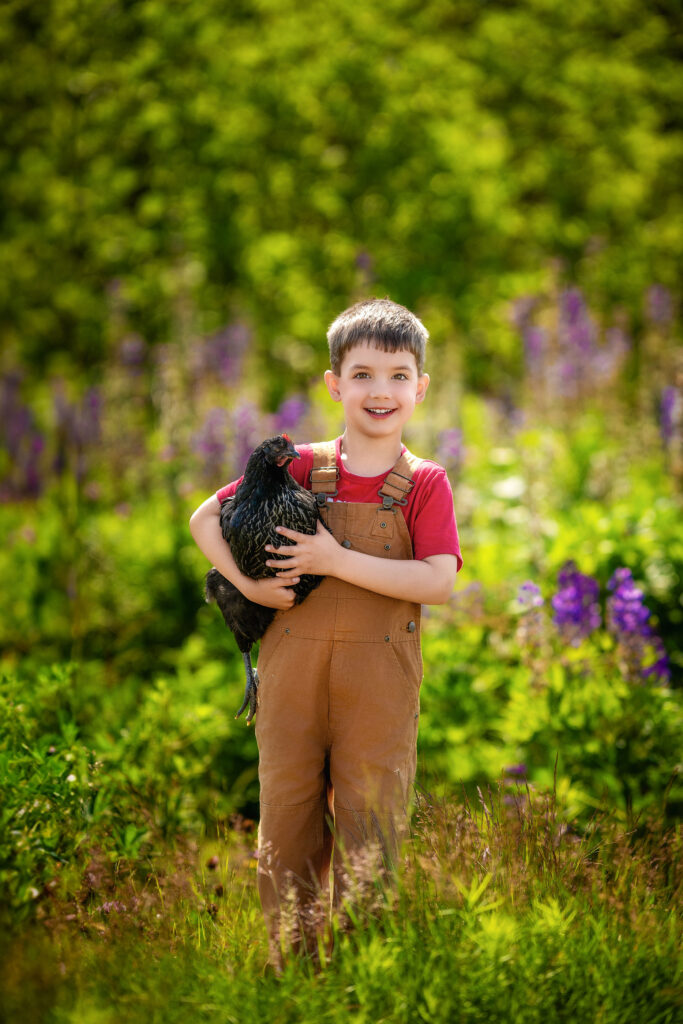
(287,438)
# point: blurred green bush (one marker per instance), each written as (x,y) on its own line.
(194,162)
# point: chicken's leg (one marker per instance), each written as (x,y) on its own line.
(250,690)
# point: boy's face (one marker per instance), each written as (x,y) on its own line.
(379,390)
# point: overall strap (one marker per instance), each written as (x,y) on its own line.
(398,483)
(325,473)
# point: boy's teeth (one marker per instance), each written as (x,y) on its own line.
(381,411)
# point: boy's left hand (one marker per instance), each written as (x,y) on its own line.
(316,554)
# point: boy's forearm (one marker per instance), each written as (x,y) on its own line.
(428,581)
(207,535)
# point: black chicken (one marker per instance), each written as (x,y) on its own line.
(268,496)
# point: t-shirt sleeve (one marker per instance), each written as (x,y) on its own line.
(434,530)
(299,468)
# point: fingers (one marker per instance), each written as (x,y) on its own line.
(286,532)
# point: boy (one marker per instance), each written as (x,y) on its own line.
(339,674)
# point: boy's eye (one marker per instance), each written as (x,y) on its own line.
(360,373)
(401,376)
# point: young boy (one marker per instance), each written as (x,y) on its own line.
(339,674)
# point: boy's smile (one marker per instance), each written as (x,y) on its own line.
(379,390)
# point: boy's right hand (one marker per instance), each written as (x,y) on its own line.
(272,592)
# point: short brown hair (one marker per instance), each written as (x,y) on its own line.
(381,323)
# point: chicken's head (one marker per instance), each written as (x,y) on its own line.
(278,451)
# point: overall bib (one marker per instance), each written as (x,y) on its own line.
(339,681)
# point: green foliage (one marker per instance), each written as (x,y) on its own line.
(493,916)
(243,157)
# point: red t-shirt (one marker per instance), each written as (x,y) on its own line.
(429,513)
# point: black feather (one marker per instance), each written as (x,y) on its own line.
(267,497)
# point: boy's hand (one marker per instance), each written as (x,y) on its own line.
(272,593)
(316,554)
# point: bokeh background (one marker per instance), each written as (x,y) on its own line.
(191,191)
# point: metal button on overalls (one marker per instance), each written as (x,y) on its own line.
(337,719)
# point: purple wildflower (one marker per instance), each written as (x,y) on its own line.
(517,770)
(132,352)
(529,596)
(535,345)
(577,612)
(670,412)
(449,449)
(221,355)
(609,358)
(628,619)
(210,441)
(576,326)
(22,441)
(659,305)
(246,425)
(289,415)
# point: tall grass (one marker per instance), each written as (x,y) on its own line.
(500,911)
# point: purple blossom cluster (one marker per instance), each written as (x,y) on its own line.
(670,413)
(77,429)
(246,431)
(532,628)
(659,307)
(449,448)
(22,441)
(290,414)
(577,613)
(221,355)
(628,620)
(569,359)
(529,596)
(210,443)
(576,604)
(132,353)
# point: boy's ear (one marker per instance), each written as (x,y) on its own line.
(332,382)
(422,385)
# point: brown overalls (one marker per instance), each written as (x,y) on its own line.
(339,681)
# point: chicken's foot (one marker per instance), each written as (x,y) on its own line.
(250,690)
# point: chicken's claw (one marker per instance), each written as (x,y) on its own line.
(250,691)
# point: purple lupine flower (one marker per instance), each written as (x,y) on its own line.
(22,440)
(670,412)
(246,428)
(77,427)
(222,353)
(577,329)
(449,449)
(535,345)
(532,627)
(289,415)
(516,770)
(132,352)
(609,358)
(529,596)
(90,416)
(577,612)
(210,441)
(628,619)
(659,305)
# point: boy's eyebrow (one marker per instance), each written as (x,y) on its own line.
(363,366)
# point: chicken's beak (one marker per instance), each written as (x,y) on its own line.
(292,453)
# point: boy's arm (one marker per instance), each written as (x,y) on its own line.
(205,528)
(425,581)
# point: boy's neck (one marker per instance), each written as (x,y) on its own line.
(365,456)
